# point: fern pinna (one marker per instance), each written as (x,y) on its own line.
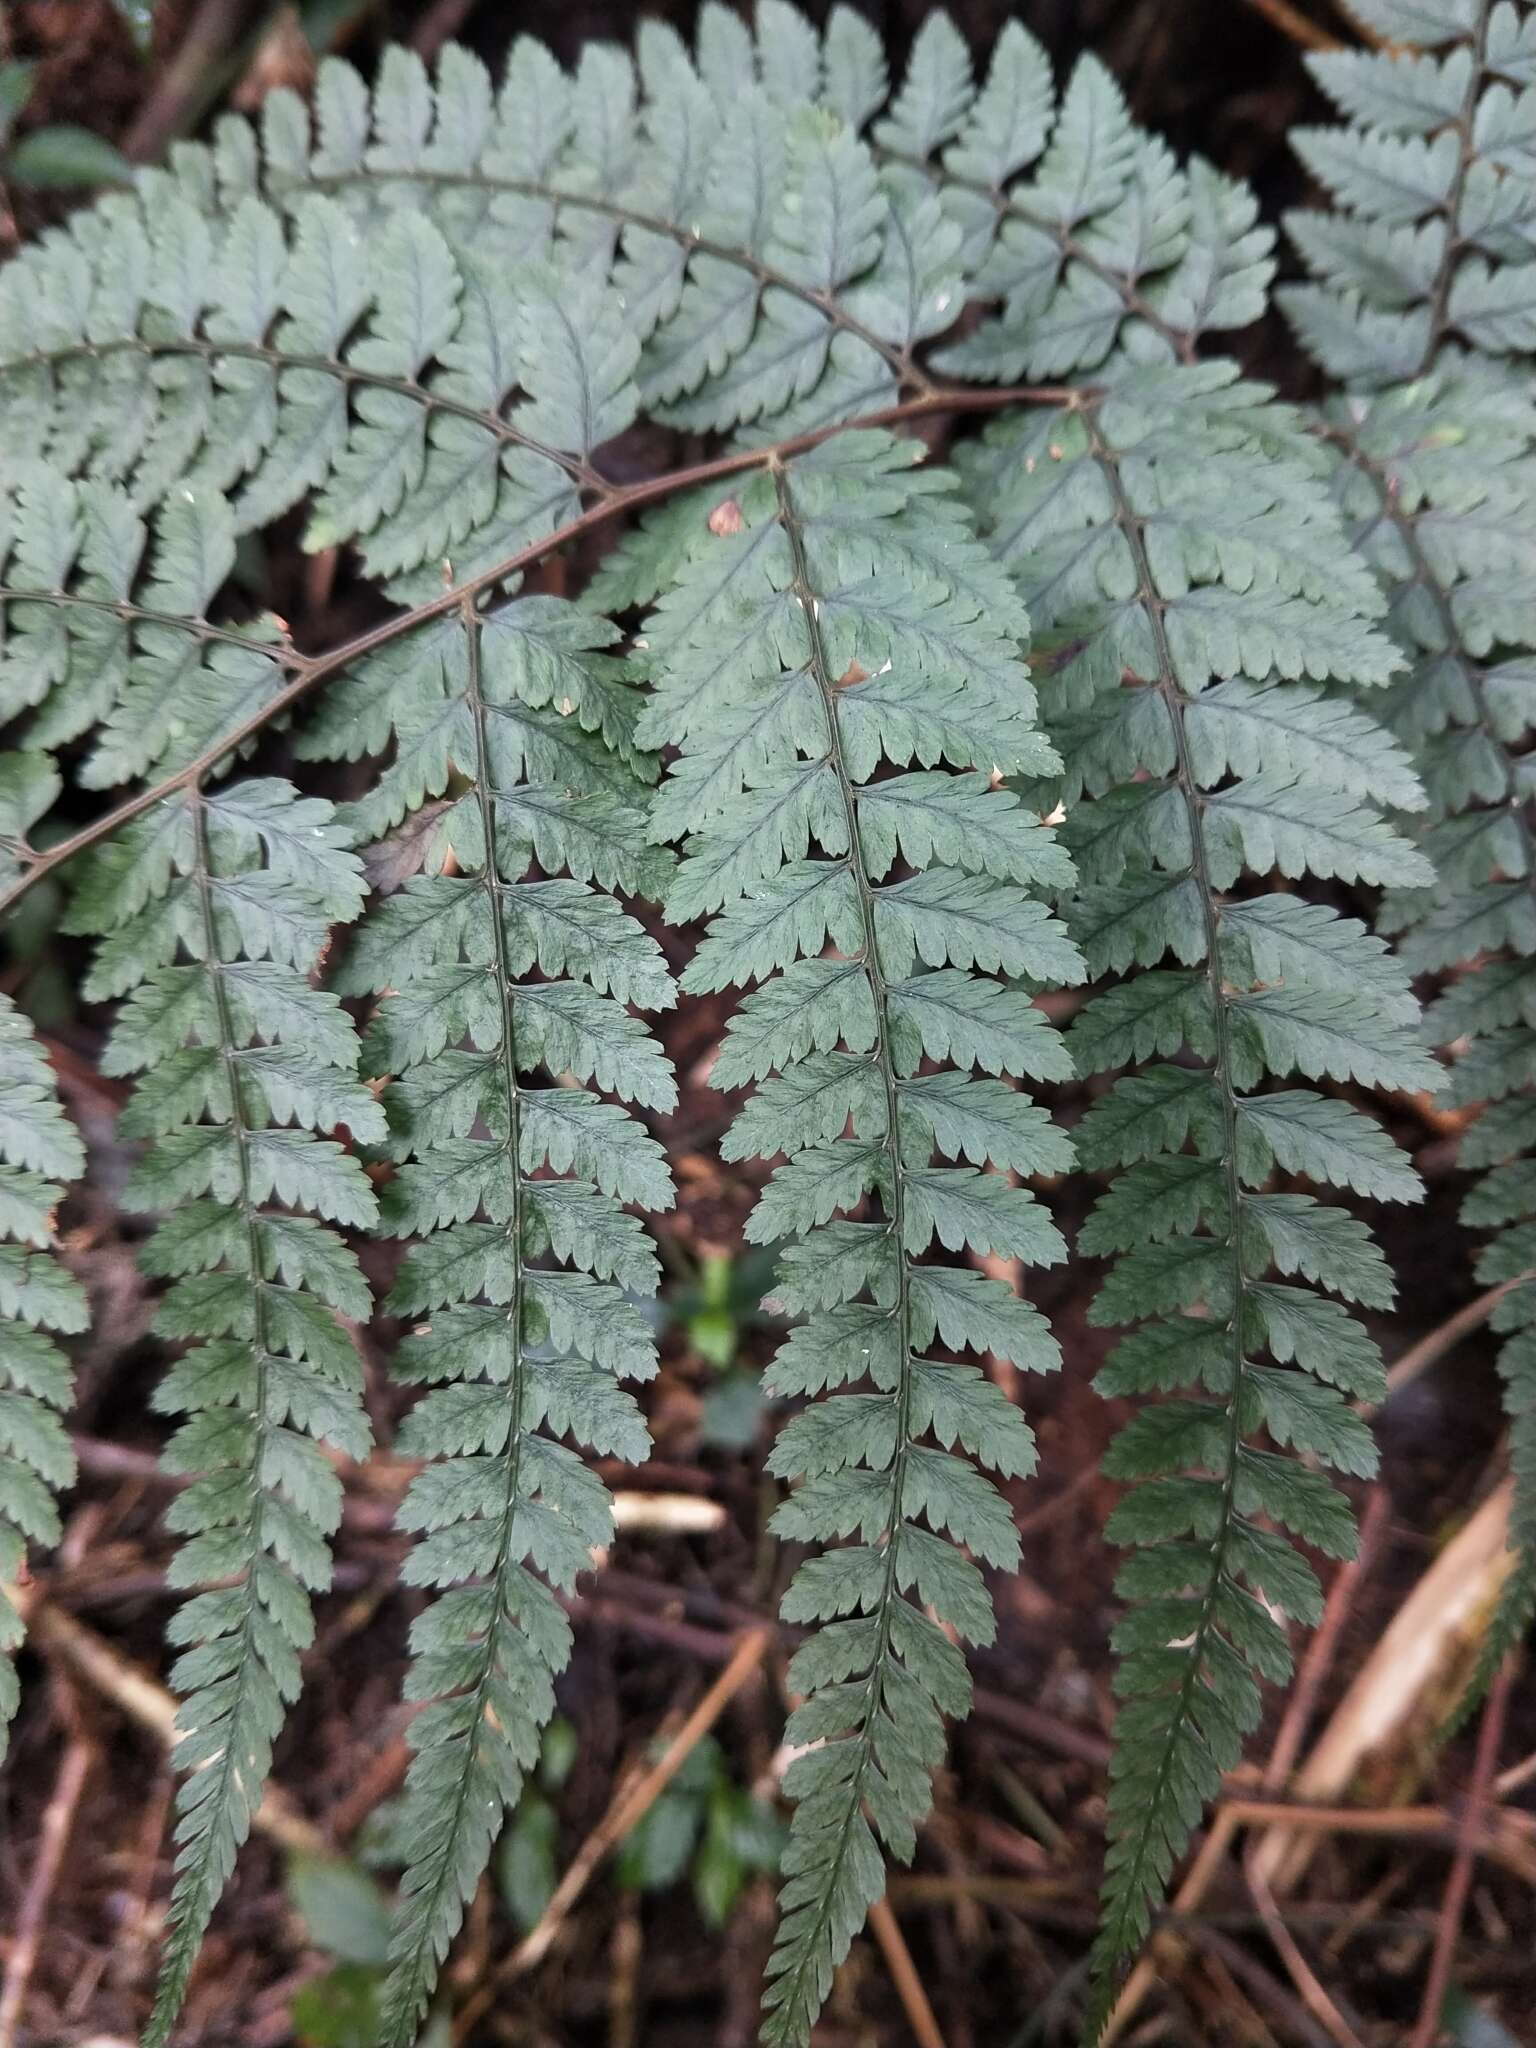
(332,309)
(502,962)
(1179,552)
(1425,312)
(833,619)
(214,907)
(40,1153)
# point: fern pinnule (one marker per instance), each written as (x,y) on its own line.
(1433,233)
(1108,243)
(833,619)
(1175,540)
(40,1153)
(213,908)
(108,627)
(492,973)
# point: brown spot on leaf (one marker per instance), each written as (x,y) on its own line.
(852,674)
(726,517)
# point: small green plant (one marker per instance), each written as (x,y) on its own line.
(525,1856)
(57,157)
(706,1829)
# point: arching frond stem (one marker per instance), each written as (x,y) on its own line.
(310,669)
(899,360)
(331,366)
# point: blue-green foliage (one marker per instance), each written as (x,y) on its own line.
(1427,314)
(39,1154)
(509,976)
(422,308)
(109,636)
(441,319)
(1179,551)
(836,660)
(1433,179)
(213,909)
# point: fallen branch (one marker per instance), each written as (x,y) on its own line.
(1299,27)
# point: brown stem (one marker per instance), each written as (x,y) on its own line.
(310,669)
(52,1840)
(1459,1883)
(1298,26)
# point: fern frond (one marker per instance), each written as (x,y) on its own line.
(1434,232)
(1188,569)
(39,1153)
(1428,281)
(492,973)
(840,622)
(214,907)
(425,308)
(421,402)
(1438,479)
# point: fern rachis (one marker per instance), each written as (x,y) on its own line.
(517,1351)
(232,1096)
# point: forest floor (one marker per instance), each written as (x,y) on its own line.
(674,1638)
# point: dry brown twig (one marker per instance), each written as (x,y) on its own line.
(1459,1883)
(1299,27)
(1438,1617)
(909,1985)
(1430,1349)
(92,1658)
(1308,1987)
(52,1840)
(1212,1854)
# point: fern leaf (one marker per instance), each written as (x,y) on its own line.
(491,977)
(108,627)
(426,308)
(215,906)
(1431,245)
(784,611)
(1253,995)
(1431,181)
(1466,614)
(1108,242)
(39,1301)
